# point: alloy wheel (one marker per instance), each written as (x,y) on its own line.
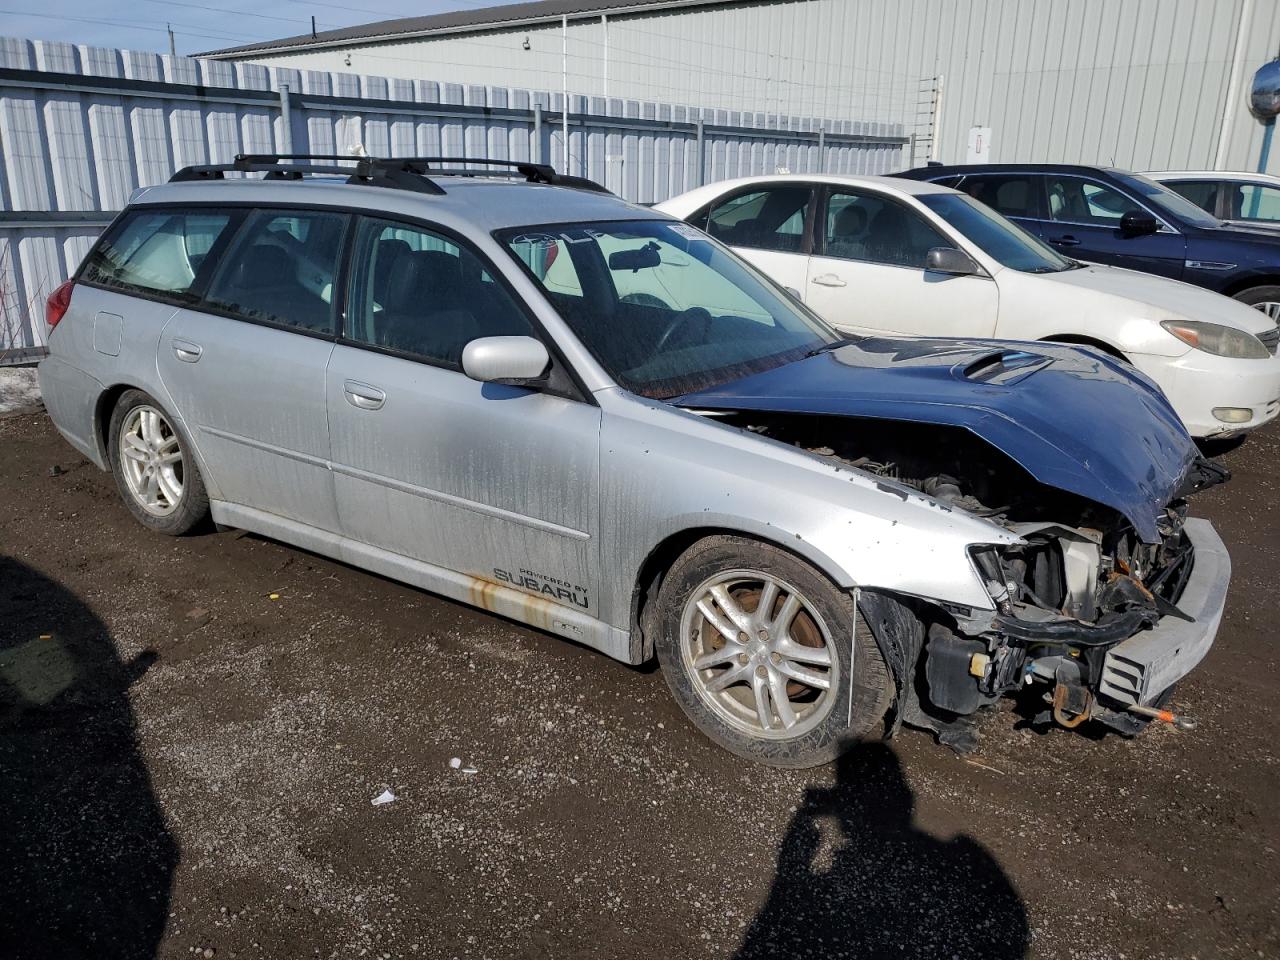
(151,461)
(760,655)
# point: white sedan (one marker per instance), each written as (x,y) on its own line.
(877,255)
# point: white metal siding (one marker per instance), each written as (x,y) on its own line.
(1137,83)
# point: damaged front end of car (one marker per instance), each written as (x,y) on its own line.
(1108,596)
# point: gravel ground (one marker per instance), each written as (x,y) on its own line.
(192,731)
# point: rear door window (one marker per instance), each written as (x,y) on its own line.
(862,226)
(1253,201)
(282,269)
(1013,194)
(154,251)
(1075,200)
(414,291)
(1203,193)
(769,219)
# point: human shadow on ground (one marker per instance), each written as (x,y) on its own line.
(856,879)
(86,860)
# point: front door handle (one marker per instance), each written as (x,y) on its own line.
(829,280)
(186,351)
(1067,241)
(363,395)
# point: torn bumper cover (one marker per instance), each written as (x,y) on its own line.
(1140,669)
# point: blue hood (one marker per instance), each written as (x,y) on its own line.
(1074,418)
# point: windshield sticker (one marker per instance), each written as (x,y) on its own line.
(687,231)
(536,239)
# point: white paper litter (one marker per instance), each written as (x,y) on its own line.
(386,796)
(455,763)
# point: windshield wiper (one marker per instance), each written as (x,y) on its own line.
(827,348)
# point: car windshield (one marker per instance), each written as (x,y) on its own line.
(665,309)
(1174,204)
(1000,239)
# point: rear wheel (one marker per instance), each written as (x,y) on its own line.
(154,472)
(1265,299)
(756,647)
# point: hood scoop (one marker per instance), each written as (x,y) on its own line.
(1005,367)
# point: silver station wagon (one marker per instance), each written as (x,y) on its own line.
(514,389)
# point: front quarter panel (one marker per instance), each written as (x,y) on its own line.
(664,471)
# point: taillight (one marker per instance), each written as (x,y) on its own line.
(55,308)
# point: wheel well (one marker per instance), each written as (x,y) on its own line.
(654,570)
(1240,286)
(102,415)
(1080,341)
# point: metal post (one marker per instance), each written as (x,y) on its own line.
(702,155)
(822,149)
(286,121)
(564,87)
(1265,154)
(604,25)
(936,133)
(537,133)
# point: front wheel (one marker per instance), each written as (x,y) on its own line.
(157,478)
(1265,299)
(759,650)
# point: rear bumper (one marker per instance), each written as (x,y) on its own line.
(70,396)
(1138,670)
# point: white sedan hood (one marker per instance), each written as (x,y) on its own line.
(1166,298)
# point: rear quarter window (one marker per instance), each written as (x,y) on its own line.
(155,251)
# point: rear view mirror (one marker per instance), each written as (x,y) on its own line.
(519,361)
(1137,223)
(951,261)
(639,258)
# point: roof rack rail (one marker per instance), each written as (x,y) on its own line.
(403,173)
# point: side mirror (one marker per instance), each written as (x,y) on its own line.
(1136,223)
(951,261)
(519,361)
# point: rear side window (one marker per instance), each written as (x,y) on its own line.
(416,292)
(155,251)
(282,268)
(865,227)
(1074,200)
(1203,193)
(769,219)
(1254,201)
(1013,194)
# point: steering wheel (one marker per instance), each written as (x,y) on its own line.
(682,319)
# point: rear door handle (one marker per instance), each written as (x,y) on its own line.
(363,395)
(1067,241)
(829,280)
(186,351)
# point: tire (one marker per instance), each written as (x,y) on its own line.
(1257,296)
(695,653)
(158,481)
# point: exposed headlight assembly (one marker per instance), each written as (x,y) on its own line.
(1216,339)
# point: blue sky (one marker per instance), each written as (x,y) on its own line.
(200,25)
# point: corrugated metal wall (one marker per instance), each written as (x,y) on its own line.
(82,127)
(1139,83)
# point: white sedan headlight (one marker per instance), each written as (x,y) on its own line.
(1216,339)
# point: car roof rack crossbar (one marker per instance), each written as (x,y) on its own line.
(404,173)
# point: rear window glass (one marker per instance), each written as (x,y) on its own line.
(155,251)
(281,268)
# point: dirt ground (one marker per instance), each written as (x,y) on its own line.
(192,731)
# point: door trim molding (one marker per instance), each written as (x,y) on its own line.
(452,500)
